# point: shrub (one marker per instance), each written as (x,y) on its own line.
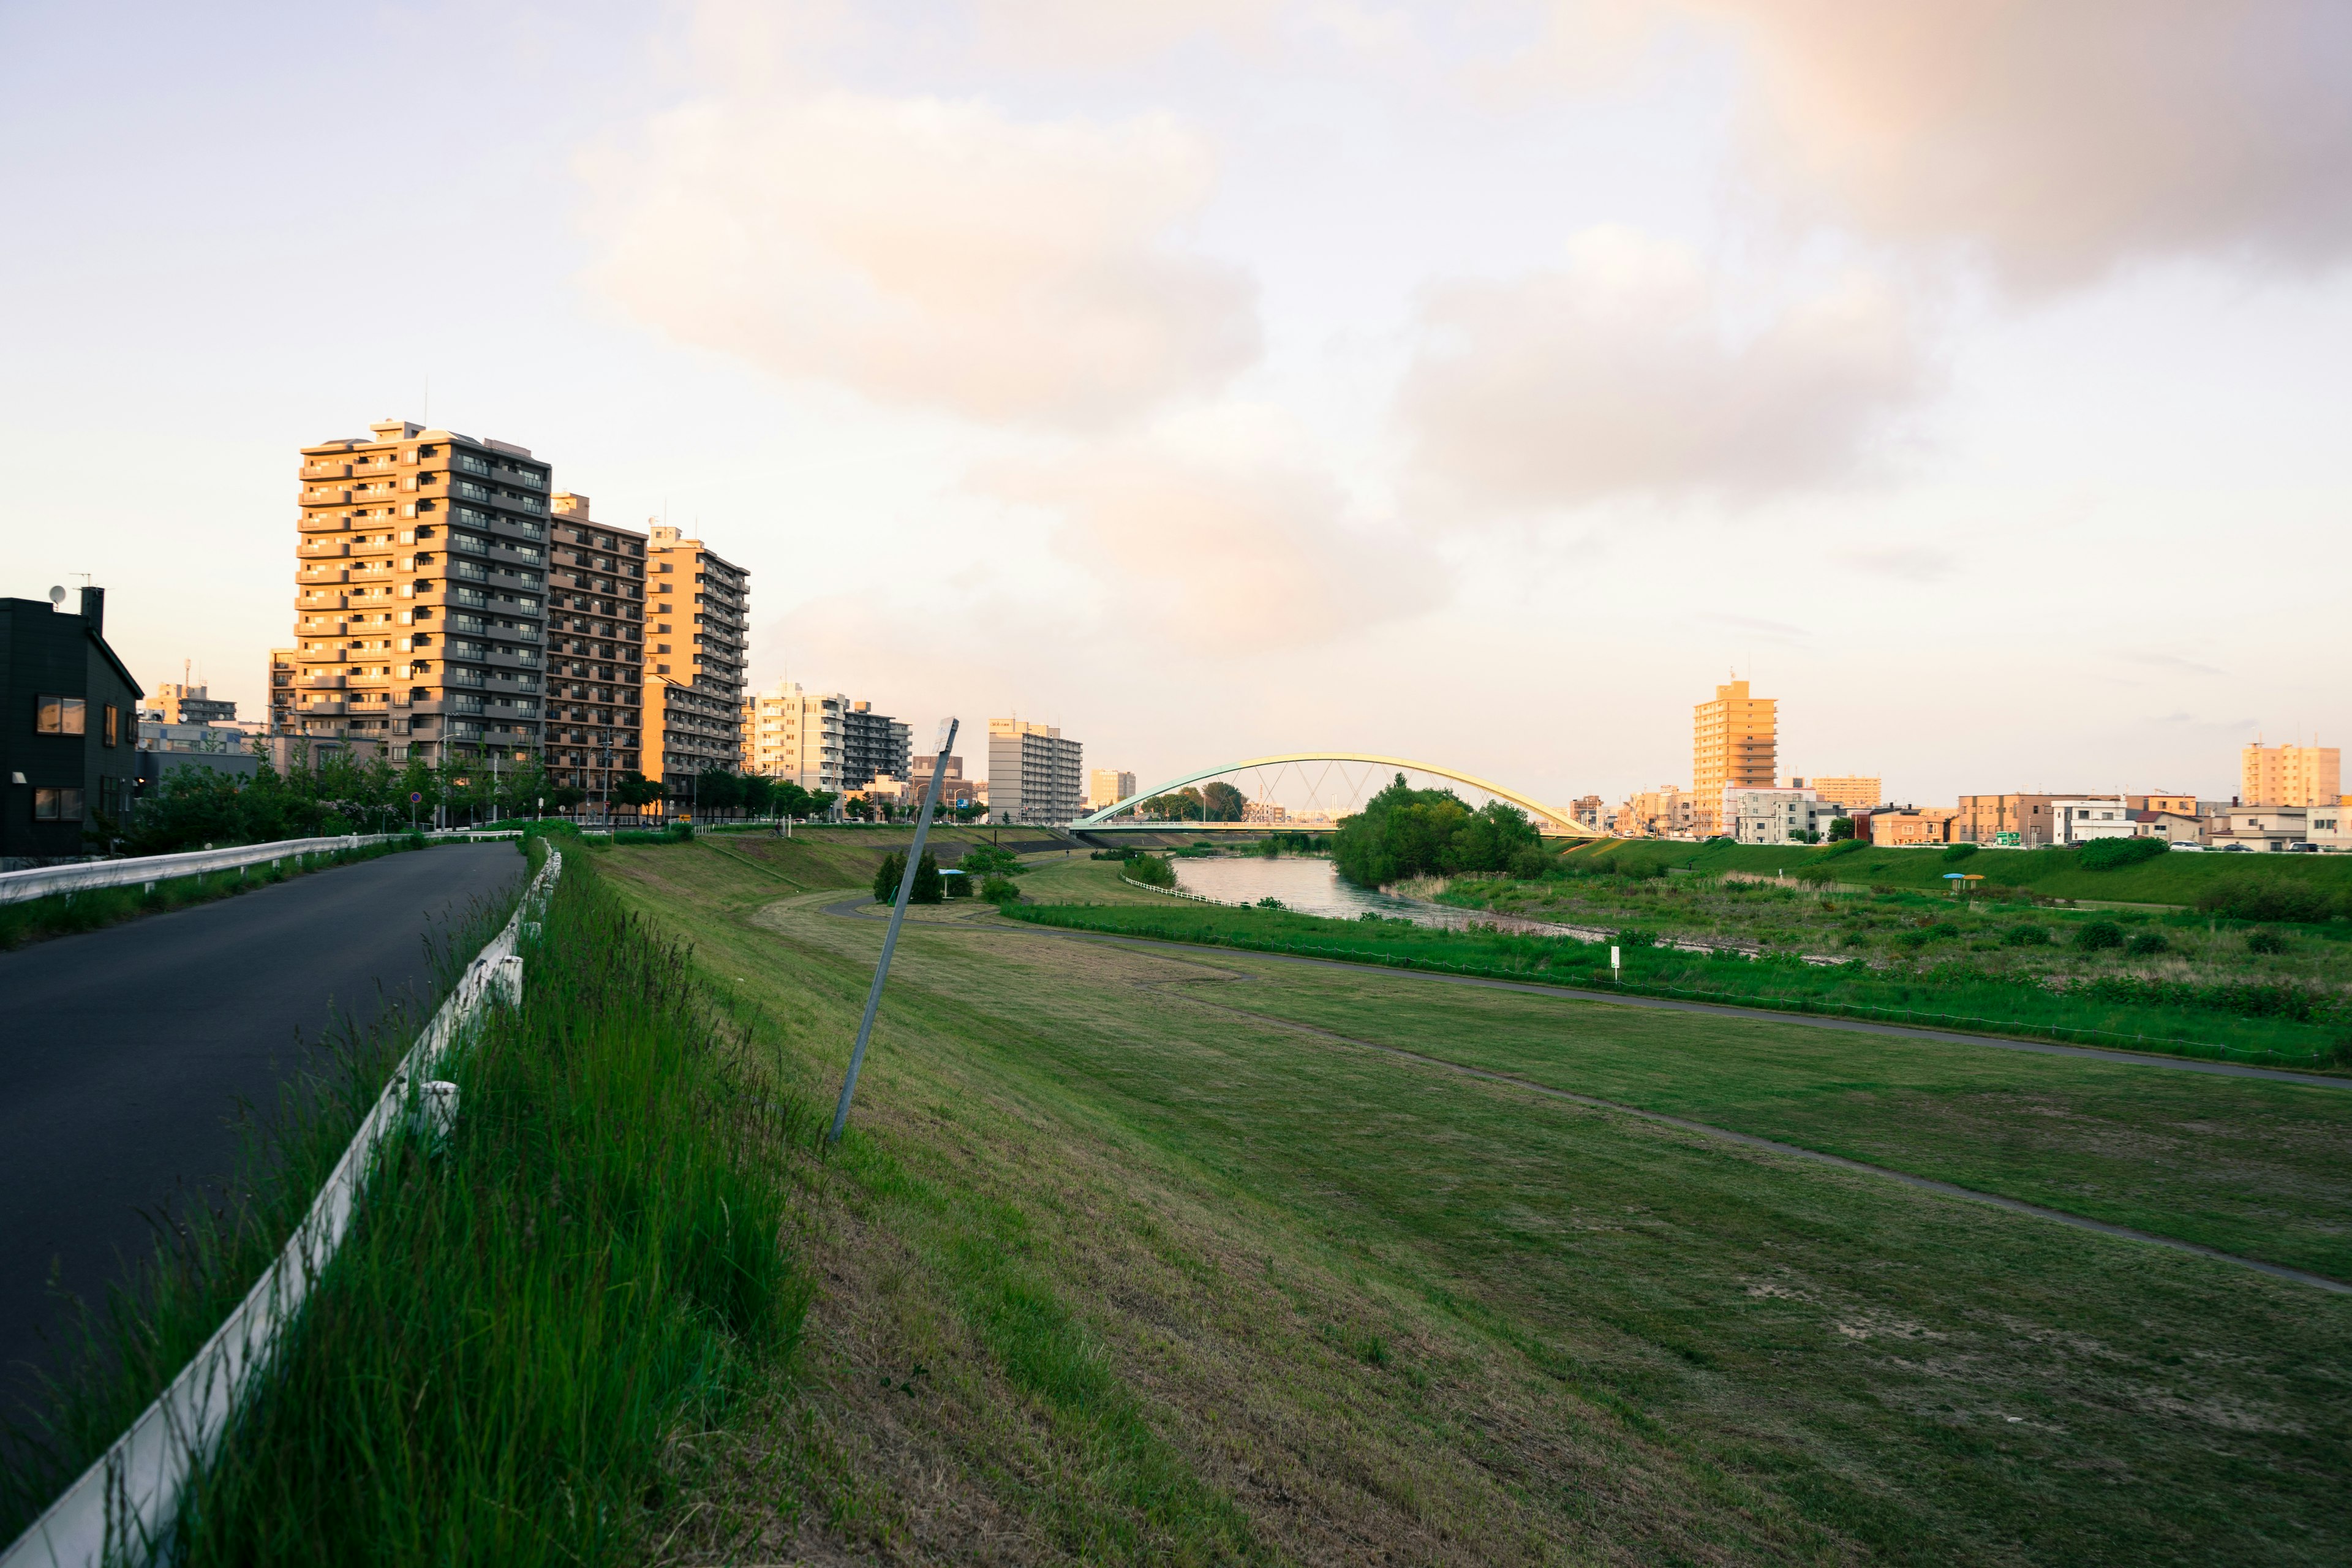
(2265,898)
(986,860)
(926,889)
(885,878)
(2113,854)
(1959,851)
(1151,871)
(1270,902)
(1840,829)
(2027,936)
(2099,936)
(2265,942)
(2146,943)
(1845,845)
(1000,890)
(959,885)
(1633,936)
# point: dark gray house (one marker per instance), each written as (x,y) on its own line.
(68,731)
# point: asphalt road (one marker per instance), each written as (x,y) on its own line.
(124,1054)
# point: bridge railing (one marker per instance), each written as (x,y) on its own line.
(41,881)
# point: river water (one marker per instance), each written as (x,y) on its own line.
(1314,887)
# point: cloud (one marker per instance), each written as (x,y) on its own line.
(925,252)
(1226,556)
(2057,140)
(1615,374)
(1907,562)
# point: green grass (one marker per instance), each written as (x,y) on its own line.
(61,914)
(1372,1305)
(1939,999)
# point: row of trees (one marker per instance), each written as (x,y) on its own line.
(1220,801)
(1405,832)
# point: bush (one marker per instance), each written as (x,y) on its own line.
(1151,871)
(958,886)
(2265,898)
(2265,942)
(2113,854)
(1840,829)
(1845,845)
(1533,864)
(2147,943)
(1959,851)
(1633,936)
(988,859)
(1271,902)
(1000,890)
(2027,936)
(2100,936)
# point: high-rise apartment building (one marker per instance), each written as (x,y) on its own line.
(797,735)
(421,595)
(873,745)
(1734,744)
(1034,774)
(1108,786)
(596,696)
(698,615)
(1852,790)
(2291,775)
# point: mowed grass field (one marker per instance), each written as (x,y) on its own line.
(1122,1264)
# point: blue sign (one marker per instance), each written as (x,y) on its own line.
(415,798)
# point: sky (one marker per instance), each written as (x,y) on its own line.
(1480,382)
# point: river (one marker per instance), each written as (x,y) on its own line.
(1314,887)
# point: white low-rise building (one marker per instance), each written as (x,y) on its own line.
(1779,815)
(2098,816)
(2330,828)
(2267,828)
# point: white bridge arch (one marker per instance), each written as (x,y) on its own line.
(1548,819)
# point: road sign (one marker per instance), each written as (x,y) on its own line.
(415,797)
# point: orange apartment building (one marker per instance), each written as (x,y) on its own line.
(1851,791)
(698,615)
(596,588)
(1735,744)
(420,612)
(2291,775)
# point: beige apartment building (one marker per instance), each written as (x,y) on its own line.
(1108,786)
(285,668)
(2291,775)
(1984,819)
(176,702)
(420,610)
(1035,774)
(698,614)
(596,588)
(797,735)
(1735,744)
(1853,791)
(1665,811)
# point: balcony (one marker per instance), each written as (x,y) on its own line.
(324,682)
(312,548)
(322,574)
(318,521)
(326,470)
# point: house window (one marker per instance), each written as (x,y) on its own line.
(61,715)
(113,724)
(56,805)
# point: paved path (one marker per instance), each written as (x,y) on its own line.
(125,1053)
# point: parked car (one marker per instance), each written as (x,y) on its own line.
(2183,844)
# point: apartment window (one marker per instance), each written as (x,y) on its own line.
(61,715)
(56,805)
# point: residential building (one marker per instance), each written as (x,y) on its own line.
(69,731)
(873,745)
(1779,815)
(698,614)
(1734,743)
(2291,775)
(2263,828)
(1587,810)
(2176,804)
(223,739)
(1905,826)
(1668,811)
(797,735)
(1852,790)
(2011,821)
(596,615)
(1264,813)
(2080,820)
(284,669)
(2172,826)
(421,595)
(175,703)
(1034,774)
(955,790)
(2329,827)
(1108,786)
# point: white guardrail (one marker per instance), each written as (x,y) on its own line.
(121,1506)
(83,876)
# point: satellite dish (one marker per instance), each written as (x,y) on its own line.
(56,595)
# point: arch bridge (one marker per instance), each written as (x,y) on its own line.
(1314,770)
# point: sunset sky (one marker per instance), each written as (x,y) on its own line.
(1479,382)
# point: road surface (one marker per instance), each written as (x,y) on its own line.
(124,1054)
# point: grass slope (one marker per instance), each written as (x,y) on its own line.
(1325,1305)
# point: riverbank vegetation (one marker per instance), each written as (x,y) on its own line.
(1404,832)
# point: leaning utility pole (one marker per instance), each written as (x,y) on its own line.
(890,938)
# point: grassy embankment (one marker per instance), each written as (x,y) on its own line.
(61,914)
(1120,1263)
(527,1326)
(2277,1025)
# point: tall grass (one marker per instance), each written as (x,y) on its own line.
(60,914)
(1964,1002)
(491,1367)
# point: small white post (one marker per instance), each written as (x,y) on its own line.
(1616,964)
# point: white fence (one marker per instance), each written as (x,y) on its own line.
(146,870)
(123,1506)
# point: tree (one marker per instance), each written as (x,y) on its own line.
(1840,829)
(926,889)
(634,789)
(758,793)
(716,790)
(1178,806)
(887,875)
(1222,802)
(1405,832)
(988,859)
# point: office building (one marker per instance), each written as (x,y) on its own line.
(797,735)
(420,607)
(596,649)
(1034,774)
(1851,791)
(1108,786)
(698,614)
(2291,775)
(873,745)
(176,702)
(68,753)
(1735,744)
